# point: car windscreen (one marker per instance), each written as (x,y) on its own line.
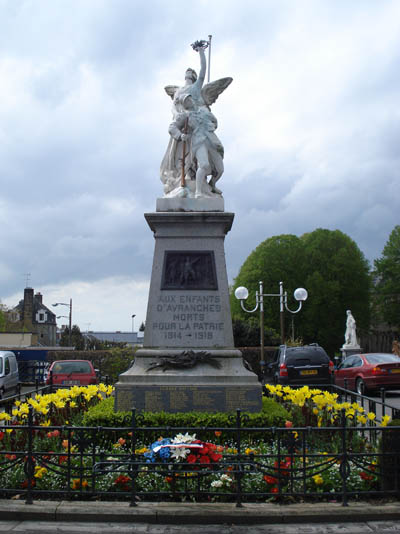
(306,357)
(382,358)
(67,368)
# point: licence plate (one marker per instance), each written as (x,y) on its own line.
(395,370)
(309,372)
(71,382)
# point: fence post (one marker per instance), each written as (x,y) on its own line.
(29,467)
(344,465)
(239,463)
(383,400)
(133,458)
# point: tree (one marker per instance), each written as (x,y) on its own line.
(332,269)
(142,327)
(77,339)
(337,279)
(279,258)
(387,281)
(3,320)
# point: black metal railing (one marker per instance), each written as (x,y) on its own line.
(233,464)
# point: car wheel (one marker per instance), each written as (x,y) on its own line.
(360,386)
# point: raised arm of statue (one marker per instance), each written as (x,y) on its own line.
(203,66)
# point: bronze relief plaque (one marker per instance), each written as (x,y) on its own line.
(189,269)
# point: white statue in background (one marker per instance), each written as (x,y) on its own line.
(194,151)
(350,336)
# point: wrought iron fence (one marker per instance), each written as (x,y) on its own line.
(233,464)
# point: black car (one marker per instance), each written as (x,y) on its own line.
(305,365)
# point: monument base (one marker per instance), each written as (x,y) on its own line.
(348,351)
(203,388)
(177,204)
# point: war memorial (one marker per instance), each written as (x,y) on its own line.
(188,361)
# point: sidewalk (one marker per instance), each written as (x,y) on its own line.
(197,513)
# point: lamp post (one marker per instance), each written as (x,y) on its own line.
(133,317)
(70,317)
(300,294)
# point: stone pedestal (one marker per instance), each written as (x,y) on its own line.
(348,351)
(188,312)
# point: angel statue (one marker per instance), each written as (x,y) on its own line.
(194,151)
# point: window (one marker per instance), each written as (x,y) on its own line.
(6,366)
(41,316)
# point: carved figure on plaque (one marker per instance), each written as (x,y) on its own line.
(194,151)
(189,270)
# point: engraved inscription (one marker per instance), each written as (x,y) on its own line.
(189,398)
(189,270)
(194,318)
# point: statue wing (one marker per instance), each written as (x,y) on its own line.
(211,91)
(171,90)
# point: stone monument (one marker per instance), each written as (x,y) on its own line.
(350,345)
(188,361)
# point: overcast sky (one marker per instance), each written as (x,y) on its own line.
(310,126)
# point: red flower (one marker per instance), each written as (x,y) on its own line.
(1,435)
(274,490)
(11,456)
(122,482)
(218,433)
(62,459)
(24,484)
(365,476)
(204,460)
(191,459)
(288,424)
(270,480)
(169,479)
(215,457)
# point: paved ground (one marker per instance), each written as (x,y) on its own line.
(213,518)
(34,527)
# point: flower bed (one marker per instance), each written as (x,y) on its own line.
(43,454)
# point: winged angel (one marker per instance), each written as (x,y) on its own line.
(194,151)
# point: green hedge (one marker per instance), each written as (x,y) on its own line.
(103,414)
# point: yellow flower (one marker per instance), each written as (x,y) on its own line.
(5,416)
(142,450)
(46,423)
(371,416)
(318,480)
(385,420)
(40,471)
(361,419)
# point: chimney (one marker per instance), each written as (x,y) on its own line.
(27,314)
(39,297)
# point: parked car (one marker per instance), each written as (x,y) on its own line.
(72,373)
(366,372)
(9,375)
(306,365)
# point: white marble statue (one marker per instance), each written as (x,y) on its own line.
(350,337)
(194,151)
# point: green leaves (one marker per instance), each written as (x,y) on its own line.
(329,265)
(387,281)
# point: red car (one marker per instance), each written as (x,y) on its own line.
(72,373)
(365,372)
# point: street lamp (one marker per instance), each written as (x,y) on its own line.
(70,317)
(300,294)
(133,316)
